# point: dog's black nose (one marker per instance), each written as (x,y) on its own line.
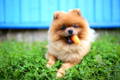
(70,31)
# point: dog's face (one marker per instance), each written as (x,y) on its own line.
(67,24)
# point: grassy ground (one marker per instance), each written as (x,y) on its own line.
(23,61)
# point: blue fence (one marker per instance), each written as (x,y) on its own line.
(23,14)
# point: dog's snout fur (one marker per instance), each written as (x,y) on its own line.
(70,31)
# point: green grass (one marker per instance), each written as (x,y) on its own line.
(23,61)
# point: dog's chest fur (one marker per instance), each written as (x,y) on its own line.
(72,52)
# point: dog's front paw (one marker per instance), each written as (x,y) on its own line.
(48,65)
(60,73)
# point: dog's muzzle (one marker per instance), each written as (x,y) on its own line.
(68,40)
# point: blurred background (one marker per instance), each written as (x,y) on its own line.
(29,20)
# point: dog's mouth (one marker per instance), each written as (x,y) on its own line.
(68,39)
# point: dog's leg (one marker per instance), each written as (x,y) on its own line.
(65,66)
(51,60)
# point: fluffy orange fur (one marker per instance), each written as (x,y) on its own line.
(70,54)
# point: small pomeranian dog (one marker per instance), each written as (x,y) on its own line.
(69,38)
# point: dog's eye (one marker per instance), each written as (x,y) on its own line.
(75,26)
(63,27)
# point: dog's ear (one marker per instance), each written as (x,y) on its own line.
(76,11)
(56,15)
